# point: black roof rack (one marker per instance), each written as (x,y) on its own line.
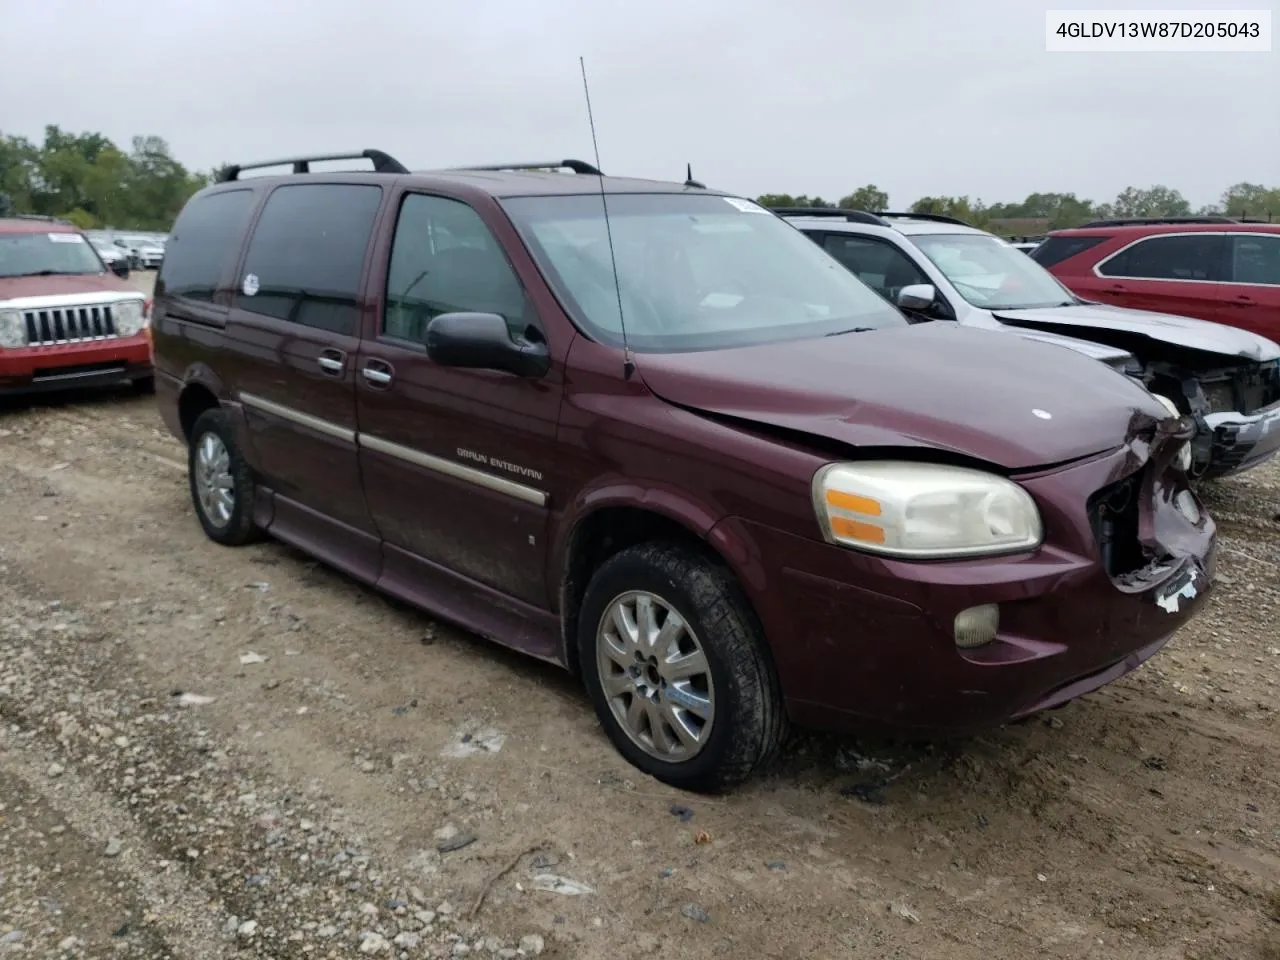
(382,163)
(1151,221)
(577,166)
(936,217)
(852,216)
(39,216)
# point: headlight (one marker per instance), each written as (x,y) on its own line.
(129,317)
(924,511)
(13,331)
(1183,461)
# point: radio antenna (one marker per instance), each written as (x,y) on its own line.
(628,362)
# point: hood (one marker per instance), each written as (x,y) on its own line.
(1115,356)
(1179,331)
(13,288)
(982,394)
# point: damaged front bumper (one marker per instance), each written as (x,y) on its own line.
(1233,442)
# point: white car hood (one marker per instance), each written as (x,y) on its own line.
(1180,331)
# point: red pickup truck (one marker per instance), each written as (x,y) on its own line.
(65,319)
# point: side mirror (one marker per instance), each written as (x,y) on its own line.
(121,269)
(483,341)
(917,296)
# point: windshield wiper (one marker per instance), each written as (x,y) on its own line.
(837,333)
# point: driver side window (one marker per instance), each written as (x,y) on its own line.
(445,260)
(881,266)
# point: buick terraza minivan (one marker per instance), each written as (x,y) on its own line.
(679,450)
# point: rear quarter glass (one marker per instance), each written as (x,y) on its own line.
(1056,250)
(204,243)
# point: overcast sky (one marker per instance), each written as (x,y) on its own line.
(799,96)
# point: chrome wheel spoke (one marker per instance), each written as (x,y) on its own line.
(663,737)
(687,736)
(697,703)
(684,666)
(616,684)
(668,639)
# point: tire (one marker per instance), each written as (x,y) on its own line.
(747,723)
(236,527)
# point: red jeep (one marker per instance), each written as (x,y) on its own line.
(1210,268)
(65,319)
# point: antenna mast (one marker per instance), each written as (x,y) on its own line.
(628,362)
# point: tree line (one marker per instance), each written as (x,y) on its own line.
(90,181)
(1059,210)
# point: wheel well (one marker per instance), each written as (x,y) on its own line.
(195,400)
(600,536)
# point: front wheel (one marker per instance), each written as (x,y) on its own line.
(222,487)
(678,668)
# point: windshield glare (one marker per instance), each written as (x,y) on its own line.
(990,273)
(24,254)
(695,272)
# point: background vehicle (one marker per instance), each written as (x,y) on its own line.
(1210,268)
(143,252)
(64,320)
(116,260)
(940,268)
(682,451)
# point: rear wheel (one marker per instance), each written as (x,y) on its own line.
(222,486)
(678,668)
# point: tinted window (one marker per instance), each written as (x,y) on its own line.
(1256,259)
(445,260)
(881,266)
(307,255)
(1186,257)
(694,272)
(205,238)
(1056,249)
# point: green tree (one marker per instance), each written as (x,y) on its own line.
(1157,201)
(870,198)
(1251,200)
(973,212)
(787,200)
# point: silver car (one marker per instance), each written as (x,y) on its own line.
(939,268)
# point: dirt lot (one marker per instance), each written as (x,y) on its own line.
(308,808)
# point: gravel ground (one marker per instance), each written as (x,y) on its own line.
(238,753)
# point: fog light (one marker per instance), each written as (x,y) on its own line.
(977,625)
(1185,501)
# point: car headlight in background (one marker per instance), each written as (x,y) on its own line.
(130,317)
(1183,460)
(13,330)
(924,511)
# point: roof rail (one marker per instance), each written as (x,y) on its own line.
(382,163)
(852,216)
(577,166)
(936,217)
(1152,221)
(40,216)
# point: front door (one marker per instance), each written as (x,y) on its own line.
(294,326)
(457,463)
(1168,273)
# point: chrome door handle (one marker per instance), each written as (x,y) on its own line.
(380,377)
(330,365)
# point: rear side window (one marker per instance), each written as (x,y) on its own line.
(306,257)
(1192,256)
(1255,259)
(205,239)
(1056,249)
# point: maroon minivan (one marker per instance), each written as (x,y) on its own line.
(652,433)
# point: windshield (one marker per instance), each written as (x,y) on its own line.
(38,254)
(696,272)
(990,273)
